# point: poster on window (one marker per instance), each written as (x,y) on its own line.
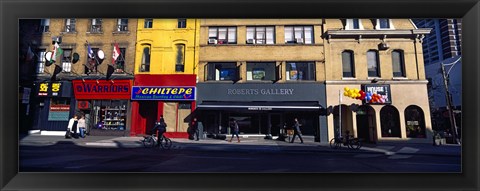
(258,74)
(293,74)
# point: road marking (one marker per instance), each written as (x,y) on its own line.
(433,164)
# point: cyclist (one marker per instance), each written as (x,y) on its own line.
(161,126)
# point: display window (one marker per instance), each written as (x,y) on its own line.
(110,114)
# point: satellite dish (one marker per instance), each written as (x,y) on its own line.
(75,58)
(48,58)
(101,54)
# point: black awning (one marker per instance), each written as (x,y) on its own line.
(259,106)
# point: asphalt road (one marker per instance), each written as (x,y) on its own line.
(68,157)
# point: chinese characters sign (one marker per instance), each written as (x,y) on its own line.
(163,93)
(53,89)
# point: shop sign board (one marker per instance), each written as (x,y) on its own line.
(59,113)
(168,93)
(102,89)
(380,89)
(53,89)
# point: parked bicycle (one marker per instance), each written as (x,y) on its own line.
(151,140)
(348,141)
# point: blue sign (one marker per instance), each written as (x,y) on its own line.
(184,93)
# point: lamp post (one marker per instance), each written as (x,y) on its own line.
(446,80)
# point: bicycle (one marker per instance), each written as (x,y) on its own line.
(349,141)
(151,140)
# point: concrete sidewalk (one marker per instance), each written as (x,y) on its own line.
(248,144)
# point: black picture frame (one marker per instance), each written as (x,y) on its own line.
(11,11)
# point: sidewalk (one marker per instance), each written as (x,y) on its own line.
(248,144)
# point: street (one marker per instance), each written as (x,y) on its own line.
(43,154)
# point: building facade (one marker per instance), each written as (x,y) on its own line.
(382,56)
(73,57)
(263,73)
(165,75)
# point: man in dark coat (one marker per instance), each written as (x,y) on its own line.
(296,128)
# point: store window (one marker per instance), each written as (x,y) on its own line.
(96,26)
(221,71)
(415,122)
(259,71)
(222,35)
(59,109)
(261,35)
(148,24)
(373,64)
(390,121)
(299,34)
(110,114)
(145,64)
(300,71)
(122,25)
(348,64)
(70,25)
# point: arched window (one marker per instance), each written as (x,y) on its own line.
(145,66)
(415,122)
(390,121)
(348,64)
(398,63)
(373,63)
(180,59)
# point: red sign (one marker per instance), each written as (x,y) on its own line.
(102,89)
(59,107)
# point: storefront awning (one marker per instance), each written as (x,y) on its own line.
(259,106)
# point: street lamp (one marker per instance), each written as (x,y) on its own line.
(446,80)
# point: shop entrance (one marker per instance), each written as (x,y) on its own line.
(275,123)
(366,123)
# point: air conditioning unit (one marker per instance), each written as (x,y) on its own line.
(299,40)
(250,41)
(212,41)
(383,46)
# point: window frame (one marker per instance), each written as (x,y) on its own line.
(67,60)
(379,27)
(351,64)
(122,27)
(294,36)
(268,69)
(350,24)
(216,76)
(44,26)
(401,66)
(266,34)
(68,25)
(93,60)
(41,61)
(227,34)
(145,59)
(377,64)
(95,27)
(182,23)
(299,75)
(120,61)
(180,61)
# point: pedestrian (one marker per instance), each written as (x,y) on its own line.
(161,126)
(234,128)
(81,126)
(72,126)
(296,129)
(195,130)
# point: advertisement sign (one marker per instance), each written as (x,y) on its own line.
(182,93)
(59,113)
(54,89)
(43,89)
(382,90)
(102,89)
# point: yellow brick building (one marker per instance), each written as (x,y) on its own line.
(166,55)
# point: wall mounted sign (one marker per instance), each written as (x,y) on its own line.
(54,89)
(179,93)
(102,89)
(59,113)
(382,90)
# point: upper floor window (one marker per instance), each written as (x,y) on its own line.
(222,71)
(300,71)
(96,26)
(398,63)
(348,65)
(299,34)
(222,35)
(67,60)
(70,25)
(384,24)
(148,23)
(180,59)
(260,35)
(92,62)
(145,64)
(182,23)
(44,25)
(120,62)
(373,64)
(41,61)
(262,71)
(122,25)
(353,24)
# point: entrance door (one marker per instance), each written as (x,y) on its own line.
(276,123)
(363,127)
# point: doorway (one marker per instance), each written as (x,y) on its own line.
(275,123)
(366,123)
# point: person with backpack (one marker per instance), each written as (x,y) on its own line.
(234,128)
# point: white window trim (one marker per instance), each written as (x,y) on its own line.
(348,27)
(377,25)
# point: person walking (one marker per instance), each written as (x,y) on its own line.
(194,126)
(72,126)
(296,128)
(234,128)
(81,126)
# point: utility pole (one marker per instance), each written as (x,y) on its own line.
(453,123)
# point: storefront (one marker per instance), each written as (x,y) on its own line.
(52,105)
(262,108)
(172,96)
(106,105)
